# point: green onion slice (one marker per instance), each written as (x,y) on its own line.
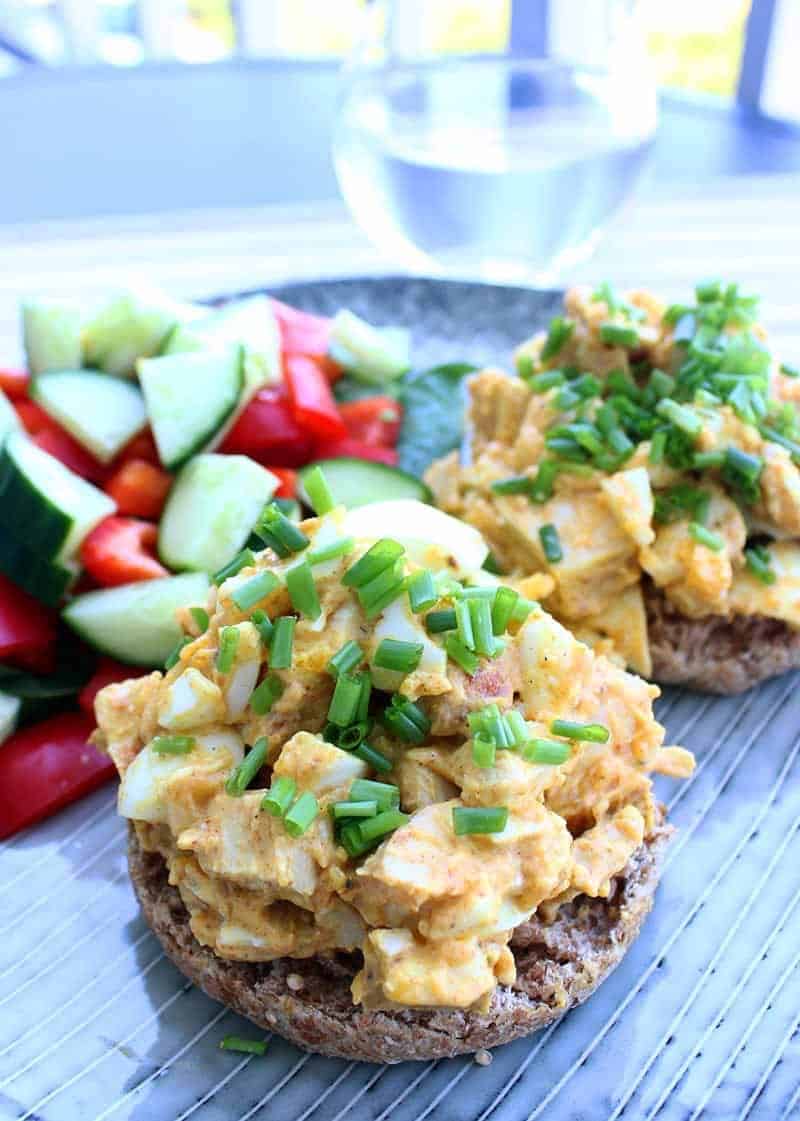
(172,745)
(553,752)
(572,730)
(303,591)
(551,543)
(228,645)
(258,587)
(384,794)
(373,758)
(346,658)
(382,555)
(282,642)
(279,532)
(175,654)
(266,694)
(376,828)
(280,795)
(479,819)
(319,493)
(302,813)
(394,654)
(200,616)
(263,624)
(338,548)
(241,776)
(244,559)
(459,653)
(246,1046)
(354,809)
(422,592)
(344,702)
(705,537)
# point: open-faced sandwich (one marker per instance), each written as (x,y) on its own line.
(381,802)
(646,458)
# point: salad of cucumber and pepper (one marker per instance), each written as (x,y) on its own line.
(140,449)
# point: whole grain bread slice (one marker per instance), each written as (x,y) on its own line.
(559,964)
(715,654)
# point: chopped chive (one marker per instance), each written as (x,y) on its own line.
(680,416)
(228,645)
(172,745)
(553,752)
(619,442)
(549,379)
(477,591)
(175,654)
(519,729)
(571,730)
(491,564)
(346,658)
(350,737)
(790,371)
(675,312)
(658,443)
(263,624)
(200,616)
(613,334)
(241,776)
(303,591)
(702,461)
(551,543)
(279,532)
(350,838)
(394,654)
(461,654)
(384,794)
(377,587)
(705,537)
(375,828)
(354,809)
(522,609)
(464,624)
(279,796)
(376,606)
(266,694)
(422,592)
(319,493)
(542,484)
(758,561)
(479,819)
(246,1046)
(436,622)
(484,750)
(406,719)
(514,484)
(480,611)
(299,817)
(338,548)
(566,400)
(344,702)
(559,333)
(503,609)
(256,588)
(373,758)
(382,555)
(281,643)
(525,365)
(244,559)
(661,383)
(365,683)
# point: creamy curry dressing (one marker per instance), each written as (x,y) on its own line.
(431,912)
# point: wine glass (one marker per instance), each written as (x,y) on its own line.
(502,167)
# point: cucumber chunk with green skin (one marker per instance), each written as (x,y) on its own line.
(9,714)
(43,504)
(250,323)
(358,482)
(130,326)
(46,580)
(136,623)
(371,354)
(102,413)
(51,332)
(189,397)
(9,421)
(211,509)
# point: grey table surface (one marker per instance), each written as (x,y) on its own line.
(701,1019)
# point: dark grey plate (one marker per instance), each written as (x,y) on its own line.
(700,1020)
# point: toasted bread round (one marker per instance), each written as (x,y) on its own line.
(308,1000)
(715,654)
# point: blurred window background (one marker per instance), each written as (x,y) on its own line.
(721,48)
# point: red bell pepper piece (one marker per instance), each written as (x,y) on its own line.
(288,484)
(313,406)
(107,673)
(139,488)
(268,433)
(304,333)
(47,766)
(355,449)
(33,417)
(26,627)
(142,446)
(122,551)
(373,420)
(14,383)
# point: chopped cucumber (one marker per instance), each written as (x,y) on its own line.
(372,354)
(51,330)
(250,323)
(9,714)
(40,696)
(130,326)
(189,397)
(43,504)
(102,413)
(357,482)
(136,623)
(211,510)
(9,421)
(46,580)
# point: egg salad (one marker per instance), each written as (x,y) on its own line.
(366,743)
(641,450)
